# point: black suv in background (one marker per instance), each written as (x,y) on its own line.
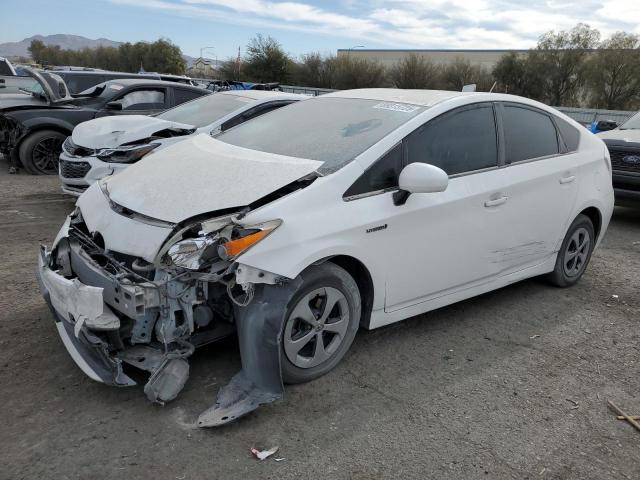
(623,143)
(80,80)
(33,126)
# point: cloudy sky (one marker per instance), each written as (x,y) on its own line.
(312,25)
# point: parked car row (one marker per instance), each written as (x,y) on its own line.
(34,124)
(294,223)
(106,145)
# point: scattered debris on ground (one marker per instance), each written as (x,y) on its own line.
(628,418)
(264,454)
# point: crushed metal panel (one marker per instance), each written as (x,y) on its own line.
(111,132)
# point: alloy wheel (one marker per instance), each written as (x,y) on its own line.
(316,327)
(45,155)
(576,252)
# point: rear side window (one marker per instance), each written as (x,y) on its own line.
(143,100)
(182,95)
(382,175)
(461,141)
(528,134)
(569,134)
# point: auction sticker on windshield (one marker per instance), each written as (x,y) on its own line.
(115,86)
(397,107)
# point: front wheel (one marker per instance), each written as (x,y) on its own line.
(575,253)
(40,151)
(321,322)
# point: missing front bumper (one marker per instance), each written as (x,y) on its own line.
(88,351)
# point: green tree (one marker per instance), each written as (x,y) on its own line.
(266,61)
(37,51)
(415,72)
(160,56)
(613,73)
(561,57)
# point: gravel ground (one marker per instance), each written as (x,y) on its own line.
(512,384)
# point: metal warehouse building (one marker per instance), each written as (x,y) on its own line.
(388,58)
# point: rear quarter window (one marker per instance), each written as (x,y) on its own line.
(528,134)
(569,134)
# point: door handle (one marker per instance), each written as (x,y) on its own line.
(568,179)
(496,202)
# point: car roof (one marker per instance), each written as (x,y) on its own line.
(425,98)
(149,81)
(263,94)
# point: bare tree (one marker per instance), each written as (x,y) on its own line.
(415,72)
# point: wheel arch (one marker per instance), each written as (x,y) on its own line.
(361,275)
(60,128)
(594,214)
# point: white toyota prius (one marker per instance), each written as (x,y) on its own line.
(355,209)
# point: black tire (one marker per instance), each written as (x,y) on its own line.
(39,152)
(320,278)
(569,269)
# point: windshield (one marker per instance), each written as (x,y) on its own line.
(329,129)
(205,110)
(632,124)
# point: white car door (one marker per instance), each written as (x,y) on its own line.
(541,187)
(437,243)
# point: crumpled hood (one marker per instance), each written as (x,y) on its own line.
(111,132)
(630,135)
(200,175)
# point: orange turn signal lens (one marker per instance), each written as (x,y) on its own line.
(236,247)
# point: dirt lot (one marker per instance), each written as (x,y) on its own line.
(482,389)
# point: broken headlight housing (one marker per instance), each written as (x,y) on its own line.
(126,154)
(227,244)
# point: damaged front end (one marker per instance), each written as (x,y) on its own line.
(112,309)
(11,131)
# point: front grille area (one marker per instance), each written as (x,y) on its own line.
(74,150)
(74,169)
(627,160)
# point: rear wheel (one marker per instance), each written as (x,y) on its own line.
(575,253)
(321,322)
(40,151)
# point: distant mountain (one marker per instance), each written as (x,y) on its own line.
(71,42)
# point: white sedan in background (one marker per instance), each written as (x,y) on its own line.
(354,209)
(107,145)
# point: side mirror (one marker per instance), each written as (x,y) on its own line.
(420,178)
(606,125)
(114,106)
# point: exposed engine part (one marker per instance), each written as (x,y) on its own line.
(202,315)
(167,381)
